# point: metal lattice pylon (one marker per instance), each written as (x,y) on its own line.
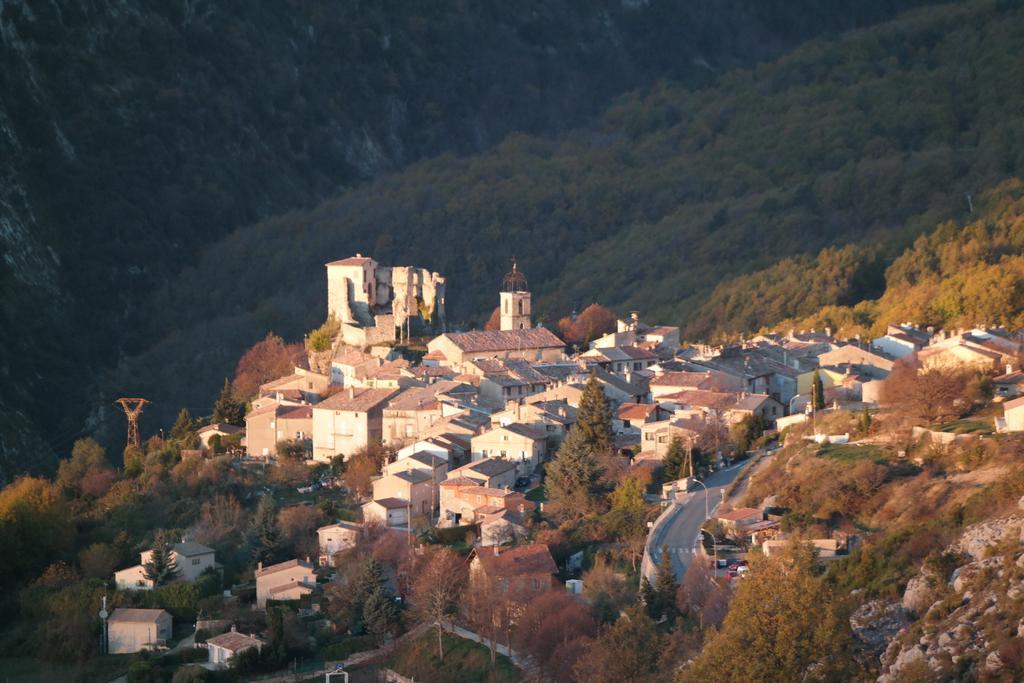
(132,409)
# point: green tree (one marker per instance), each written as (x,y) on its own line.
(665,587)
(275,654)
(594,418)
(648,598)
(228,409)
(34,528)
(746,431)
(184,428)
(380,615)
(87,455)
(162,568)
(574,476)
(628,650)
(865,421)
(675,460)
(817,392)
(265,533)
(784,624)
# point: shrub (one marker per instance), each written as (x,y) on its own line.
(349,646)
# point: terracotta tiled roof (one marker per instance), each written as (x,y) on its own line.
(505,340)
(525,430)
(351,261)
(1015,403)
(524,559)
(738,514)
(280,566)
(234,641)
(146,616)
(358,400)
(635,411)
(391,503)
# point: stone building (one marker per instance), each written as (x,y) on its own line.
(378,304)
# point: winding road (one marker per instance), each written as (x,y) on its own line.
(679,526)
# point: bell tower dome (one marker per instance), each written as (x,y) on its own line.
(515,300)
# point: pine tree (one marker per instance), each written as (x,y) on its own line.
(809,636)
(594,417)
(675,460)
(369,581)
(227,409)
(162,567)
(183,426)
(380,614)
(574,476)
(266,535)
(817,392)
(648,597)
(865,421)
(665,586)
(276,652)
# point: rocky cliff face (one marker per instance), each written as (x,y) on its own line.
(971,622)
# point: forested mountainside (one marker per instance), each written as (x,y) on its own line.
(854,146)
(134,134)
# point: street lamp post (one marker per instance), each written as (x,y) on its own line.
(714,546)
(707,514)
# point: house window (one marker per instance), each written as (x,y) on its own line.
(648,437)
(637,366)
(662,439)
(503,454)
(536,584)
(195,561)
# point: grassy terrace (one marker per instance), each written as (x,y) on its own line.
(969,425)
(852,452)
(464,662)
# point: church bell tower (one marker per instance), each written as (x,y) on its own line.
(515,300)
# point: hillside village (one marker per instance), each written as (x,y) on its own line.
(404,488)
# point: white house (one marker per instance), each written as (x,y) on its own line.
(225,646)
(132,630)
(334,538)
(288,580)
(192,559)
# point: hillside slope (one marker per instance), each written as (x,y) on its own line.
(868,140)
(134,134)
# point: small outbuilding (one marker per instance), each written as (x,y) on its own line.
(132,630)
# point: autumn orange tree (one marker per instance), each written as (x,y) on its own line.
(264,361)
(594,321)
(549,621)
(930,396)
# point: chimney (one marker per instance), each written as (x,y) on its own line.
(234,629)
(828,332)
(351,392)
(259,566)
(1009,368)
(497,552)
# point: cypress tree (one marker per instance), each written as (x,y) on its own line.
(648,597)
(183,426)
(817,392)
(675,460)
(665,586)
(227,409)
(594,418)
(162,567)
(266,535)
